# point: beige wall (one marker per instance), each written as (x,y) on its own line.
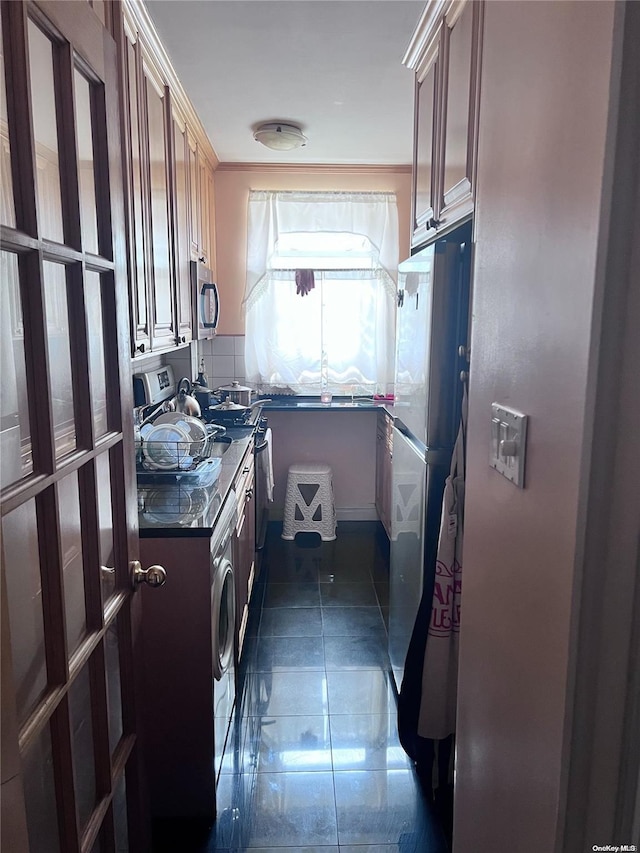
(232,193)
(346,440)
(545,85)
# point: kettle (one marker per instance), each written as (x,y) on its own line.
(184,401)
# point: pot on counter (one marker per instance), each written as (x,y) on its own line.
(232,411)
(205,396)
(236,393)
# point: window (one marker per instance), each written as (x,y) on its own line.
(337,332)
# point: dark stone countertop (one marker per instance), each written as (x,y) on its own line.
(337,404)
(184,507)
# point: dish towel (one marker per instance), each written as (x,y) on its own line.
(266,460)
(440,670)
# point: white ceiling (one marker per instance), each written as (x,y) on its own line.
(331,66)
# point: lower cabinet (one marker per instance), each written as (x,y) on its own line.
(244,544)
(177,700)
(384,454)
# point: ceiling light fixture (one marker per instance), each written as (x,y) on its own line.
(280,137)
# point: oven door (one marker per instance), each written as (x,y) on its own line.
(206,302)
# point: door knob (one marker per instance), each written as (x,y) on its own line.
(153,576)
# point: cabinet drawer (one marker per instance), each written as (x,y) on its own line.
(243,487)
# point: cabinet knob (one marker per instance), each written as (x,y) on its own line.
(202,260)
(433,223)
(249,494)
(153,576)
(140,348)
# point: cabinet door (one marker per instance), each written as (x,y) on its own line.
(407,548)
(461,38)
(244,545)
(194,197)
(204,210)
(212,219)
(387,473)
(379,466)
(130,72)
(181,226)
(158,254)
(383,472)
(426,148)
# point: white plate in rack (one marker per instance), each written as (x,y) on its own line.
(167,447)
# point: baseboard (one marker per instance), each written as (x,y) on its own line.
(358,513)
(346,513)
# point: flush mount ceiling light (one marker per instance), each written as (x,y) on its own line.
(280,137)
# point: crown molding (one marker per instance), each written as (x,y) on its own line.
(137,19)
(432,15)
(326,168)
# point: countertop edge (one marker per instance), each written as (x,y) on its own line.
(223,485)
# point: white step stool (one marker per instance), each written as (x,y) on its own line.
(308,505)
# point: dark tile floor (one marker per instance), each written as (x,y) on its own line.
(313,762)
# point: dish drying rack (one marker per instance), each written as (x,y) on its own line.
(187,462)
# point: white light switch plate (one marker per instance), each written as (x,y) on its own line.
(508,443)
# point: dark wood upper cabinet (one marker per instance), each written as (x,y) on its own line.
(159,248)
(426,119)
(445,54)
(130,79)
(168,187)
(181,223)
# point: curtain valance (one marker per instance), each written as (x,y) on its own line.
(272,214)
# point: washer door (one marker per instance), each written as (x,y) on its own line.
(223,615)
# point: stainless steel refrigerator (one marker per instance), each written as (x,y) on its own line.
(431,352)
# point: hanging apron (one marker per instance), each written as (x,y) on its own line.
(437,718)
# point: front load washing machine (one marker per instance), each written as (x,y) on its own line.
(223,614)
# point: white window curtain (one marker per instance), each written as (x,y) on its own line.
(339,336)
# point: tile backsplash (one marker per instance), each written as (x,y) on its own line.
(223,358)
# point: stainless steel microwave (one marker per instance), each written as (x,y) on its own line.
(205,302)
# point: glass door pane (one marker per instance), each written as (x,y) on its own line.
(120,816)
(72,560)
(82,746)
(114,690)
(84,141)
(45,129)
(7,205)
(40,796)
(96,337)
(15,429)
(105,528)
(21,560)
(59,346)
